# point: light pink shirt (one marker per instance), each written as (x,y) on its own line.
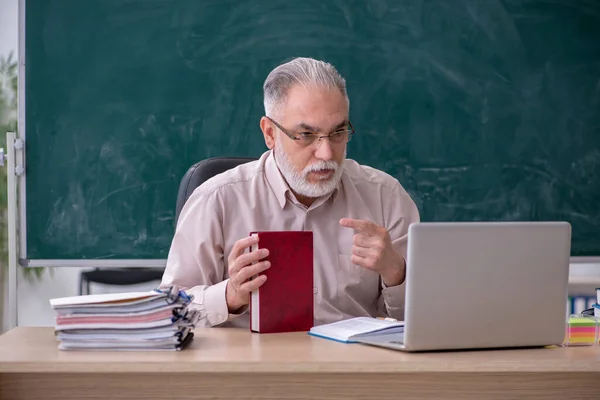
(255,197)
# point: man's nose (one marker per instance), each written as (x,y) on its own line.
(324,150)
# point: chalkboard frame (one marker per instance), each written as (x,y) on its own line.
(24,261)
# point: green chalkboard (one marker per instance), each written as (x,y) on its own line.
(483,109)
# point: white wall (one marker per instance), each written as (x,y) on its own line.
(8,26)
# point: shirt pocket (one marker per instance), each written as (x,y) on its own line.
(356,282)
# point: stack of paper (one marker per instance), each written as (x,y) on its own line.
(155,320)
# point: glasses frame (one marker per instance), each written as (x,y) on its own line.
(317,137)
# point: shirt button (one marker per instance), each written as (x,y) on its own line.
(315,290)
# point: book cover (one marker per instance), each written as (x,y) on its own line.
(284,303)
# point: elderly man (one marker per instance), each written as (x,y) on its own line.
(359,216)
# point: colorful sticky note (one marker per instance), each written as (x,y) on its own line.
(582,331)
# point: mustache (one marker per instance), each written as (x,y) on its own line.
(321,165)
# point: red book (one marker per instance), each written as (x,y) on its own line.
(284,303)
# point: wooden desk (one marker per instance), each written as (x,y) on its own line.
(227,363)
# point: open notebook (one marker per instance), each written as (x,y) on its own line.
(155,320)
(347,331)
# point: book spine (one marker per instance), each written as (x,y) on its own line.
(254,300)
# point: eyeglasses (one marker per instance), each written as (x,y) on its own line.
(305,139)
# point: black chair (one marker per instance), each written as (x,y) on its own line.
(118,276)
(194,177)
(198,173)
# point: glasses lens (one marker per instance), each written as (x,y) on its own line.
(307,140)
(339,137)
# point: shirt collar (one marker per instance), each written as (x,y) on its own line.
(275,179)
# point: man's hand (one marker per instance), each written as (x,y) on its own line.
(241,269)
(372,249)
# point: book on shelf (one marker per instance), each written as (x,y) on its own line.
(596,306)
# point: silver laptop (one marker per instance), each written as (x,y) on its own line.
(484,285)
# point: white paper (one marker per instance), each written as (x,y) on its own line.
(346,330)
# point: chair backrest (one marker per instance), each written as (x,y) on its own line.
(202,171)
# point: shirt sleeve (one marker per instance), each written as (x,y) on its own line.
(196,260)
(402,211)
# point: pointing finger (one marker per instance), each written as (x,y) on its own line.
(359,225)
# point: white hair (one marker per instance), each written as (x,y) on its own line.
(304,71)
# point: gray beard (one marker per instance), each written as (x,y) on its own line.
(298,182)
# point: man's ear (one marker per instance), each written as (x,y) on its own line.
(268,132)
